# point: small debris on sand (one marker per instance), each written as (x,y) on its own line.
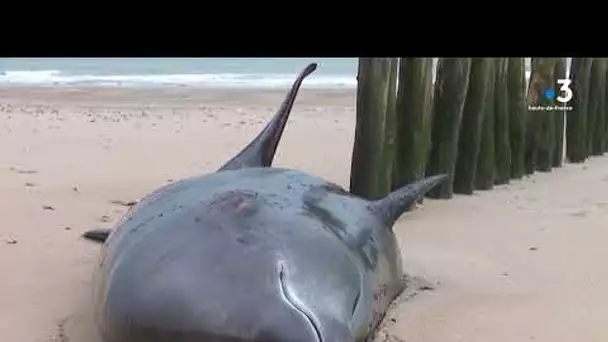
(30,185)
(533,248)
(123,203)
(60,335)
(579,214)
(22,171)
(426,288)
(11,241)
(104,218)
(48,207)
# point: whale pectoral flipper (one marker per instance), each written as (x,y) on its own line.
(389,208)
(97,235)
(261,151)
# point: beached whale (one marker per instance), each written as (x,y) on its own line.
(252,253)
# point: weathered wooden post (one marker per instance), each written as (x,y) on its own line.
(486,165)
(531,148)
(448,102)
(560,116)
(501,124)
(545,124)
(413,113)
(539,138)
(596,106)
(471,126)
(390,128)
(516,87)
(606,108)
(576,119)
(602,112)
(369,162)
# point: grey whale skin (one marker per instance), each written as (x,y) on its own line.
(252,253)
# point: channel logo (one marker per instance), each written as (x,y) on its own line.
(565,95)
(564,88)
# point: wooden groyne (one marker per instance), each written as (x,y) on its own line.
(481,121)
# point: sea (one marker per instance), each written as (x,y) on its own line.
(179,72)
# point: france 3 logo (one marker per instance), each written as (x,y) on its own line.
(563,98)
(566,91)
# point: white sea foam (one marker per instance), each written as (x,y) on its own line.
(27,76)
(56,77)
(220,80)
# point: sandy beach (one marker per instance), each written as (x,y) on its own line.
(523,262)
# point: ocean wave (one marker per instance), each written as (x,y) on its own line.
(56,77)
(226,80)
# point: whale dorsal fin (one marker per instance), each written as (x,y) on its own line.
(389,208)
(260,152)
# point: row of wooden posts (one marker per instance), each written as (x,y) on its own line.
(481,122)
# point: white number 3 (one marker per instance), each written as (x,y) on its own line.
(565,82)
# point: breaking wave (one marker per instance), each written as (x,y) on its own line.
(56,77)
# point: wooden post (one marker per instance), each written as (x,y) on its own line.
(516,87)
(448,102)
(560,116)
(390,128)
(369,163)
(486,165)
(544,81)
(606,107)
(531,147)
(501,124)
(576,119)
(471,127)
(413,114)
(540,127)
(596,106)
